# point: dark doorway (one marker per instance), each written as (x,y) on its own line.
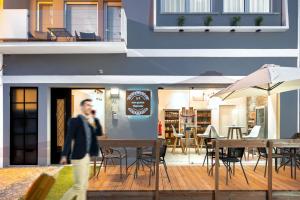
(23,126)
(60,114)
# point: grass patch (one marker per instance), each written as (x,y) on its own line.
(64,180)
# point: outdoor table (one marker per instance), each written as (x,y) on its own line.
(237,129)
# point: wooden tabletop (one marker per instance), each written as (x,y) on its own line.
(125,142)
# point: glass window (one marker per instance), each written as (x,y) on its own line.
(259,6)
(199,5)
(24,125)
(82,18)
(45,17)
(252,6)
(234,6)
(172,6)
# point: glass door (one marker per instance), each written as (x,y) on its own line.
(24,126)
(60,113)
(113,23)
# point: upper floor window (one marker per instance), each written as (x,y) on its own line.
(248,6)
(185,6)
(82,17)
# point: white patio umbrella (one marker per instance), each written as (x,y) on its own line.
(267,80)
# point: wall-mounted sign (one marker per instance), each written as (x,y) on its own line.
(138,102)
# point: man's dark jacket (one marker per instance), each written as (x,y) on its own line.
(77,134)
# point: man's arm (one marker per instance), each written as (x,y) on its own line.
(70,135)
(99,128)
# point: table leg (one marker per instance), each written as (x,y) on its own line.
(228,134)
(95,166)
(196,142)
(241,135)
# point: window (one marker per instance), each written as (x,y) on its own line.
(24,125)
(82,18)
(199,5)
(234,6)
(185,6)
(44,16)
(248,6)
(259,6)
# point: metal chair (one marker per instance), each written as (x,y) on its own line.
(262,153)
(111,154)
(234,155)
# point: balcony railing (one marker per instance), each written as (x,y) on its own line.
(62,26)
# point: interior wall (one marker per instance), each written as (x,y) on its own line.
(176,99)
(130,127)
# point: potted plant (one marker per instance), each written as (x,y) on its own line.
(235,22)
(258,22)
(207,21)
(180,22)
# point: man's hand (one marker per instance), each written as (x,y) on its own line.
(63,160)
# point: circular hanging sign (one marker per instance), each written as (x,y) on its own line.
(138,102)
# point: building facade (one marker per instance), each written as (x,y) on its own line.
(55,52)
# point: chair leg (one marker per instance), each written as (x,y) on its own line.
(257,163)
(174,145)
(105,163)
(166,169)
(244,172)
(204,160)
(227,171)
(102,160)
(120,168)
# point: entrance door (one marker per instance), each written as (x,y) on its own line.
(60,113)
(23,126)
(113,23)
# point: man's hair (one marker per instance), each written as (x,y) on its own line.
(84,101)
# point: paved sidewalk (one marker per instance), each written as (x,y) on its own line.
(14,181)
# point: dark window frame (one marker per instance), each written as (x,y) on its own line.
(23,118)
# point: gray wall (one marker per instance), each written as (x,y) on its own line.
(141,35)
(137,127)
(119,64)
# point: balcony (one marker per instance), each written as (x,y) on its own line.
(39,27)
(212,16)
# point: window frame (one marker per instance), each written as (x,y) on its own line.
(247,8)
(186,9)
(23,118)
(39,3)
(81,3)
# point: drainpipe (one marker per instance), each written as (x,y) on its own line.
(1,112)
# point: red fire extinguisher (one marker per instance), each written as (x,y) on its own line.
(159,128)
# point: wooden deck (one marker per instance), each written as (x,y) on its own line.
(193,182)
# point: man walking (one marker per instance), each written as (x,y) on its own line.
(81,141)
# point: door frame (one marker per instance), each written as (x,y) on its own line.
(53,143)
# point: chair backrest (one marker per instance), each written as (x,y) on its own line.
(213,132)
(254,132)
(207,131)
(236,152)
(163,151)
(40,187)
(174,131)
(262,150)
